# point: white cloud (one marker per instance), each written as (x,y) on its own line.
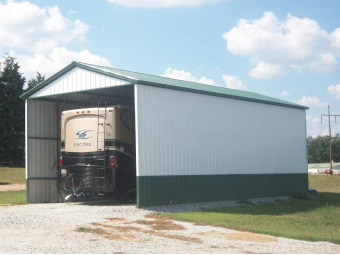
(72,12)
(310,101)
(297,43)
(201,67)
(314,127)
(264,71)
(233,82)
(284,93)
(27,26)
(334,90)
(186,76)
(215,69)
(58,58)
(39,34)
(161,3)
(103,29)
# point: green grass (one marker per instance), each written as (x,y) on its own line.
(11,175)
(13,197)
(313,219)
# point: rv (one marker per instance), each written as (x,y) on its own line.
(98,151)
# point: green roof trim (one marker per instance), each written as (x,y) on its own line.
(164,82)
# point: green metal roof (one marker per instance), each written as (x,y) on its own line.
(169,83)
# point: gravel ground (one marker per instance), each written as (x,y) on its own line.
(117,228)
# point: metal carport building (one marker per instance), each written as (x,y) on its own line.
(194,142)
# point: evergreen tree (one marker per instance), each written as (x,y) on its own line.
(35,81)
(12,112)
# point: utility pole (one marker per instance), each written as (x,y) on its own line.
(330,135)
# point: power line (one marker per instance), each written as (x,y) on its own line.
(330,135)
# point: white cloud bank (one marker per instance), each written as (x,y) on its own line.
(233,82)
(186,76)
(314,126)
(161,3)
(265,71)
(54,61)
(40,35)
(27,26)
(310,101)
(272,44)
(334,91)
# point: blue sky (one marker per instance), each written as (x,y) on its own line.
(284,49)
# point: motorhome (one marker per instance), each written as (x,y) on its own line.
(98,151)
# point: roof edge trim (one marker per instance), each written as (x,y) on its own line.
(295,106)
(67,69)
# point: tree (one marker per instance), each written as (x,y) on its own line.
(318,149)
(12,112)
(34,81)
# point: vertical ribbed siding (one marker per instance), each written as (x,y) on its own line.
(78,79)
(183,133)
(42,191)
(42,153)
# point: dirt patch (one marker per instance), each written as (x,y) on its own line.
(160,223)
(177,237)
(12,204)
(251,237)
(110,236)
(116,220)
(145,222)
(118,228)
(124,238)
(210,233)
(97,231)
(12,187)
(155,216)
(166,225)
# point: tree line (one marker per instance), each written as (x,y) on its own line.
(318,149)
(12,110)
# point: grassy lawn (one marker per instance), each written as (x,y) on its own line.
(313,219)
(10,175)
(13,197)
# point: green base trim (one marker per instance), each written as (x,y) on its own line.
(166,190)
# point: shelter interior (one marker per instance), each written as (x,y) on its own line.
(118,95)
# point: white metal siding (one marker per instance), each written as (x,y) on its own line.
(78,79)
(183,133)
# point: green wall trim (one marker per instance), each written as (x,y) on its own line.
(166,190)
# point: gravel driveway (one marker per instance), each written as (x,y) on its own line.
(116,228)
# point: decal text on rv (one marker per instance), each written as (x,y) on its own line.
(81,144)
